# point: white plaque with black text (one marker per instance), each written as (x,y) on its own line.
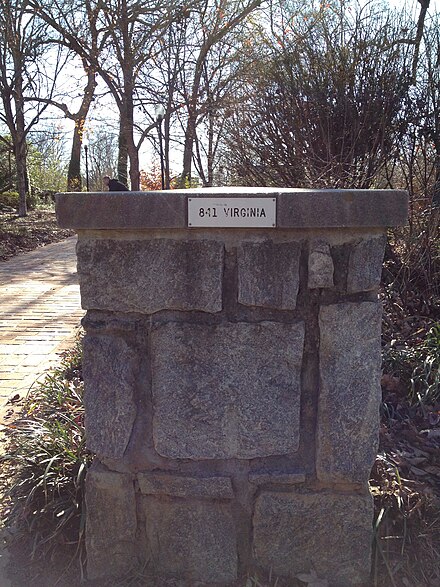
(232,212)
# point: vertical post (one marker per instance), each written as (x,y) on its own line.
(86,151)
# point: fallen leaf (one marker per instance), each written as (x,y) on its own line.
(418,472)
(433,470)
(415,460)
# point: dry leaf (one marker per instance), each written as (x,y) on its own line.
(433,470)
(418,472)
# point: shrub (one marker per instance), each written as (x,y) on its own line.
(11,200)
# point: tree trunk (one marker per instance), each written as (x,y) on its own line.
(185,179)
(74,183)
(20,163)
(19,139)
(166,151)
(128,151)
(122,152)
(436,194)
(190,132)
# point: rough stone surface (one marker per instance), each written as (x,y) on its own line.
(166,484)
(193,541)
(114,210)
(296,208)
(268,274)
(365,265)
(295,533)
(342,208)
(110,368)
(110,524)
(226,391)
(348,409)
(321,267)
(150,275)
(277,478)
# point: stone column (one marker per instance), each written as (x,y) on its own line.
(231,382)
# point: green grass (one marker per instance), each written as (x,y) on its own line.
(418,367)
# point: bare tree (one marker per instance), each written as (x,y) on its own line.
(127,34)
(215,20)
(325,107)
(23,40)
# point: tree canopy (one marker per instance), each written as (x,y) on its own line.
(341,93)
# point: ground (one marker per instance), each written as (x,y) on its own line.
(38,228)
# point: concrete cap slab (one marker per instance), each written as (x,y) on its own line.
(296,208)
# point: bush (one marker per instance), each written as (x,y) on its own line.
(11,200)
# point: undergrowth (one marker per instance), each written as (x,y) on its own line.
(405,480)
(47,451)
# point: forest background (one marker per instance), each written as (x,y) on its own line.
(338,93)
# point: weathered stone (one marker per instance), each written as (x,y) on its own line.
(341,208)
(226,391)
(193,541)
(268,274)
(277,478)
(150,275)
(296,533)
(110,524)
(365,265)
(321,267)
(183,486)
(296,208)
(348,409)
(110,368)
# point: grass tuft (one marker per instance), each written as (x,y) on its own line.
(48,456)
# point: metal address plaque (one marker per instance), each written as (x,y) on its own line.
(232,212)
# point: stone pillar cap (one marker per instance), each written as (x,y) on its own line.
(296,207)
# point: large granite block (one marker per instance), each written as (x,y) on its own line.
(365,264)
(268,274)
(190,540)
(110,524)
(348,409)
(296,533)
(150,275)
(110,368)
(226,391)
